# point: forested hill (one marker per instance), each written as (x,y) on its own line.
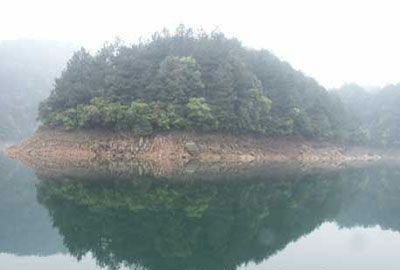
(27,72)
(377,111)
(192,80)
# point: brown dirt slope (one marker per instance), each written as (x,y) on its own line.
(50,147)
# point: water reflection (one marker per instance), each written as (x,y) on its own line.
(24,224)
(216,221)
(330,248)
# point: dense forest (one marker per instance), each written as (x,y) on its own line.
(377,112)
(185,80)
(193,80)
(27,72)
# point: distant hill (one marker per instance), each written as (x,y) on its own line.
(378,111)
(27,72)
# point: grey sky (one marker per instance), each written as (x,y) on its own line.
(333,41)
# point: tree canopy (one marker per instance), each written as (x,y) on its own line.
(191,80)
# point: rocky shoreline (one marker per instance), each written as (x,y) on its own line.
(172,150)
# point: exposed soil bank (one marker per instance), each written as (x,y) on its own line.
(168,151)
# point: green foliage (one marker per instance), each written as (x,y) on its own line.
(68,119)
(91,115)
(176,116)
(253,110)
(190,80)
(178,78)
(199,114)
(160,117)
(140,117)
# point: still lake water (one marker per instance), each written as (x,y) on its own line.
(268,218)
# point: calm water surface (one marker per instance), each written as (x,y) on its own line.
(280,218)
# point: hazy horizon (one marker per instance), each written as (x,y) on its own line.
(332,41)
(236,135)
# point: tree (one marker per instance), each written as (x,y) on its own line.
(195,80)
(199,114)
(74,87)
(178,79)
(140,118)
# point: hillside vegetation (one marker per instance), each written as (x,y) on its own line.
(194,81)
(377,112)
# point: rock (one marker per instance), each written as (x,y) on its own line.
(191,167)
(192,148)
(140,142)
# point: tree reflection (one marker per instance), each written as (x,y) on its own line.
(215,222)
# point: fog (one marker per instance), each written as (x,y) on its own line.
(199,134)
(333,41)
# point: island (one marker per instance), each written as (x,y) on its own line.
(193,95)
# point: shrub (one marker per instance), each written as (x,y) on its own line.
(140,118)
(199,114)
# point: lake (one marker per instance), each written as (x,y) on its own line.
(281,217)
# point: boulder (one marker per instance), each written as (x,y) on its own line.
(192,148)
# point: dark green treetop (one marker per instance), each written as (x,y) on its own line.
(192,80)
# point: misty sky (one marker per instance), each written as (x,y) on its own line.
(333,41)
